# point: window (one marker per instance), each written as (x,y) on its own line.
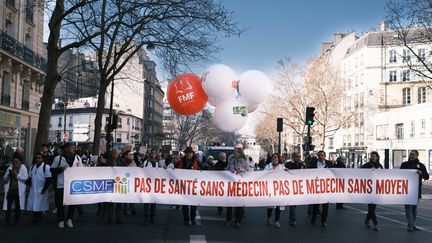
(393,76)
(421,95)
(406,56)
(406,75)
(356,140)
(59,122)
(9,30)
(422,54)
(392,56)
(5,89)
(127,122)
(25,95)
(29,11)
(361,99)
(356,81)
(11,3)
(361,119)
(406,96)
(349,140)
(412,129)
(361,60)
(344,140)
(399,131)
(356,103)
(28,41)
(119,122)
(382,132)
(331,143)
(71,121)
(422,127)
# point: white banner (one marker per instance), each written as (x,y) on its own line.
(223,188)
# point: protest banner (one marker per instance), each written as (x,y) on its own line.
(223,188)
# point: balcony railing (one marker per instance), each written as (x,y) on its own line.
(19,50)
(11,3)
(5,99)
(25,105)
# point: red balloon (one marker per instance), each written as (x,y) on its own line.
(186,95)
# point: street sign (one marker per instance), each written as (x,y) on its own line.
(81,137)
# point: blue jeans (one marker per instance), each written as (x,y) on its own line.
(411,214)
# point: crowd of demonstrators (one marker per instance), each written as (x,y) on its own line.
(47,168)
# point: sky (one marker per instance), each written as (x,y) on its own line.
(293,29)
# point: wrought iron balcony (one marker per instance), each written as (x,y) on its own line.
(5,99)
(19,50)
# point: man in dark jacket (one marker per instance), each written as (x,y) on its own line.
(295,164)
(414,163)
(320,163)
(189,162)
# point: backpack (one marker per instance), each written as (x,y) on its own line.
(44,168)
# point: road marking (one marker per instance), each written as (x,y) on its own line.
(197,239)
(198,218)
(389,219)
(403,213)
(212,218)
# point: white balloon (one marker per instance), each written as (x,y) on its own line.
(254,86)
(230,115)
(212,101)
(252,108)
(217,81)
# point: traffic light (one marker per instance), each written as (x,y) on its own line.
(114,123)
(310,115)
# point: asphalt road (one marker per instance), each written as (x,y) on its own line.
(343,226)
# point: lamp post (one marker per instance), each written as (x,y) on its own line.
(110,126)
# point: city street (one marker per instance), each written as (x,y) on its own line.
(343,226)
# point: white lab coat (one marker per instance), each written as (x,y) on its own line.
(60,161)
(159,164)
(38,202)
(279,167)
(22,177)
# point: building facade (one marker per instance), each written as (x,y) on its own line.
(77,122)
(22,71)
(80,76)
(377,80)
(153,106)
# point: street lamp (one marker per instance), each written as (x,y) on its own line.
(110,126)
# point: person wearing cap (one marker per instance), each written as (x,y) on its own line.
(68,159)
(14,188)
(238,164)
(189,162)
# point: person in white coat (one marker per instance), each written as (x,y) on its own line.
(14,188)
(275,165)
(67,160)
(39,181)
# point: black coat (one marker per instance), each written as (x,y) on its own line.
(416,165)
(328,164)
(370,165)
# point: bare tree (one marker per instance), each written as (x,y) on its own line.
(266,134)
(59,11)
(411,22)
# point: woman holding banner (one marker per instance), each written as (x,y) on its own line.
(150,208)
(275,165)
(372,164)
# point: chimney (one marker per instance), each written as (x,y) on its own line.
(384,25)
(337,37)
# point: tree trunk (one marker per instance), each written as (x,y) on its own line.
(47,101)
(98,120)
(52,78)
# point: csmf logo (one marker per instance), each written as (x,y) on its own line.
(119,185)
